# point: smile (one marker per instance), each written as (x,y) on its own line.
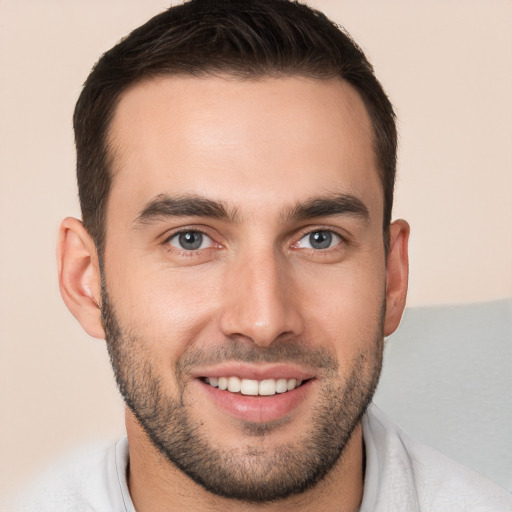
(251,387)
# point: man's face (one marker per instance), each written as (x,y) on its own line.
(244,247)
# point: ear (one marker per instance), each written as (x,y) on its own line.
(397,275)
(79,275)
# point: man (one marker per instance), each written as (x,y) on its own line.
(236,163)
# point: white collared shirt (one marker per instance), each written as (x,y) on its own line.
(402,475)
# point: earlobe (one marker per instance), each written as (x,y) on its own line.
(397,275)
(79,275)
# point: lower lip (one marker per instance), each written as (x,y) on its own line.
(258,409)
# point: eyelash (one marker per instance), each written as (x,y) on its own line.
(308,231)
(304,233)
(192,252)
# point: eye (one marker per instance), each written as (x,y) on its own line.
(190,240)
(322,239)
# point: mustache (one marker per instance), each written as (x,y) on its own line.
(245,351)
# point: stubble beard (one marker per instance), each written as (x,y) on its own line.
(248,473)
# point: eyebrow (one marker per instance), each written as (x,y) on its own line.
(338,204)
(163,206)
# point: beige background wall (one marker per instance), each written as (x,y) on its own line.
(446,65)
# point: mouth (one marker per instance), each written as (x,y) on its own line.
(257,395)
(253,387)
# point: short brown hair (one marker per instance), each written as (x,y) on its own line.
(245,38)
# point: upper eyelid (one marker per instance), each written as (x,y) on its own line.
(308,230)
(322,230)
(181,231)
(184,229)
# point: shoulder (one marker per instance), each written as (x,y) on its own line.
(404,472)
(89,479)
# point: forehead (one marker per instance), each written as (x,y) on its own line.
(253,143)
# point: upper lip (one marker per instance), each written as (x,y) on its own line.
(252,371)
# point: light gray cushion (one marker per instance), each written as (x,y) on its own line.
(447,380)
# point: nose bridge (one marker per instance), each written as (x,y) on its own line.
(259,299)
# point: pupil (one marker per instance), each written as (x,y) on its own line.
(320,239)
(191,240)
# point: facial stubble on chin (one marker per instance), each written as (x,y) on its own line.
(249,472)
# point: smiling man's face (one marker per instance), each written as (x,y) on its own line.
(244,248)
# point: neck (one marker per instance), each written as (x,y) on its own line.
(156,485)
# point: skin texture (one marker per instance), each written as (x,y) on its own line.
(256,296)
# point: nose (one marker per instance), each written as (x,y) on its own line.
(260,303)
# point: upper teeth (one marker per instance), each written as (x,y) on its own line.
(253,387)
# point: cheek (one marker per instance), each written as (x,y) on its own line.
(347,313)
(165,307)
